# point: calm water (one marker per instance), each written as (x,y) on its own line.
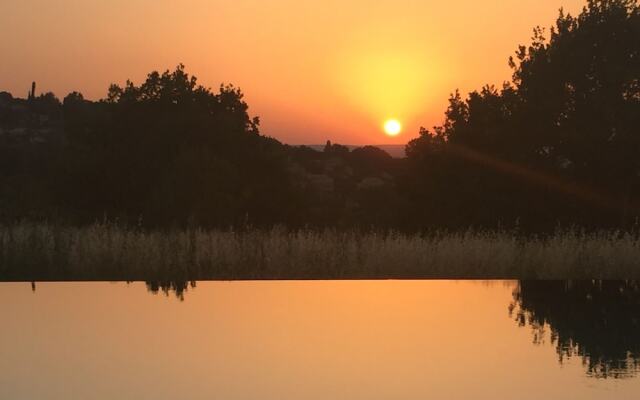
(321,340)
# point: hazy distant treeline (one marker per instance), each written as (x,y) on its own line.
(559,144)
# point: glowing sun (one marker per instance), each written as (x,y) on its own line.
(392,127)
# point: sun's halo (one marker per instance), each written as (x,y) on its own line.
(392,127)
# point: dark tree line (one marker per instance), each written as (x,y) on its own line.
(559,144)
(169,152)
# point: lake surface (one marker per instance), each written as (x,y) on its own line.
(321,340)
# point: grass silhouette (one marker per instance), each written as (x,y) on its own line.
(105,251)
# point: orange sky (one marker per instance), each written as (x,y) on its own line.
(312,70)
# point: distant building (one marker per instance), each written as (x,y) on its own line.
(32,93)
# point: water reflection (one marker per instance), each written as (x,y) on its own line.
(311,340)
(178,287)
(598,321)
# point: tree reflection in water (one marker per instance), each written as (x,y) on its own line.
(178,287)
(598,321)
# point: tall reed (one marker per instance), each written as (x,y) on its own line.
(32,251)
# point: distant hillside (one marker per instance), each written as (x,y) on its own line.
(395,150)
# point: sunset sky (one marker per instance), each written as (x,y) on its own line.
(312,70)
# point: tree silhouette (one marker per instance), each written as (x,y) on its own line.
(558,143)
(171,151)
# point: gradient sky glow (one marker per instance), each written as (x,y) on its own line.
(312,70)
